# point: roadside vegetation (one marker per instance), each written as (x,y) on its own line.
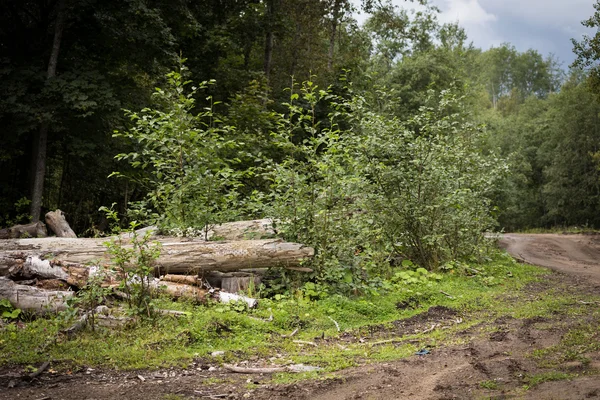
(242,333)
(368,326)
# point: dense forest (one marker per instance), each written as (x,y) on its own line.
(376,143)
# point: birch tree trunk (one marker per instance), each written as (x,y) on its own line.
(33,299)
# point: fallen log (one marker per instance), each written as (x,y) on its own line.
(271,370)
(255,370)
(238,230)
(17,265)
(242,230)
(33,230)
(33,299)
(181,290)
(68,258)
(58,224)
(185,279)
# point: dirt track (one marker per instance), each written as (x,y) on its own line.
(570,254)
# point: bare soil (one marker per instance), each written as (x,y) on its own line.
(492,362)
(570,254)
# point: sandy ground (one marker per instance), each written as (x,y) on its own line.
(455,372)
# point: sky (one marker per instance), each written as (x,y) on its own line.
(543,25)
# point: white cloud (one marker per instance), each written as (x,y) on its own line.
(478,22)
(466,12)
(546,25)
(555,12)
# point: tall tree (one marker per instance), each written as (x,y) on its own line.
(40,140)
(588,49)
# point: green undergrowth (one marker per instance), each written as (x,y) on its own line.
(563,229)
(368,327)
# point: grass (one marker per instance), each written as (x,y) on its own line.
(489,384)
(574,346)
(177,341)
(537,379)
(562,229)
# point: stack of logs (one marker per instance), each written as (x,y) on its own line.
(39,273)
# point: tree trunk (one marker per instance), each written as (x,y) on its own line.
(66,258)
(237,284)
(58,224)
(335,20)
(36,230)
(269,37)
(182,290)
(40,140)
(21,266)
(183,279)
(33,299)
(242,230)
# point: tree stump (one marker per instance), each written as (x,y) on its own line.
(59,225)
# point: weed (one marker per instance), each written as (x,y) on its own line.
(490,385)
(7,310)
(89,297)
(573,346)
(537,379)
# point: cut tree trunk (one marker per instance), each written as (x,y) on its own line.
(181,290)
(58,224)
(18,265)
(184,279)
(33,299)
(242,230)
(237,284)
(35,230)
(53,255)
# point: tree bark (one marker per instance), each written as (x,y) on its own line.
(182,290)
(33,299)
(21,266)
(68,259)
(184,279)
(58,224)
(242,230)
(269,38)
(40,140)
(237,284)
(335,20)
(36,229)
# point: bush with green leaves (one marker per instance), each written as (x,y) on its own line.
(318,194)
(133,260)
(179,153)
(365,188)
(430,181)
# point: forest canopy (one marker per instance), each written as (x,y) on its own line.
(396,139)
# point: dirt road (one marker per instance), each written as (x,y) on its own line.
(570,254)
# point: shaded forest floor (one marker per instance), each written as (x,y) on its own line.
(551,353)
